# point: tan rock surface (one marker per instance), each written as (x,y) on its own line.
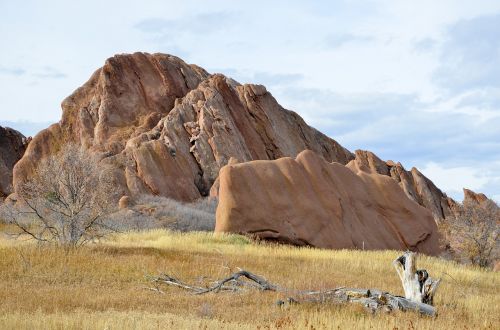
(124,202)
(214,191)
(12,147)
(309,201)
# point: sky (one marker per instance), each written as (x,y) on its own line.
(413,81)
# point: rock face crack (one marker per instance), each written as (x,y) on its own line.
(185,79)
(143,91)
(272,150)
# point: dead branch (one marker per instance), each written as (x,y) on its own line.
(231,283)
(372,299)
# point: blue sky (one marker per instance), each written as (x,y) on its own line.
(414,81)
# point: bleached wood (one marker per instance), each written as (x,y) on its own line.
(418,286)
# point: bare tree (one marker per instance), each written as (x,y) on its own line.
(66,200)
(472,232)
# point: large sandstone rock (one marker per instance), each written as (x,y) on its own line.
(416,186)
(12,147)
(309,201)
(167,127)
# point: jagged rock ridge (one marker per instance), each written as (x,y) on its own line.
(415,185)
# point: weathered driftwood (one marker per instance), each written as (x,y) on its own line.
(372,299)
(418,285)
(231,283)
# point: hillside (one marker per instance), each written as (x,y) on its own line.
(104,285)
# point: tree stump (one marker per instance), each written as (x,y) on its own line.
(419,287)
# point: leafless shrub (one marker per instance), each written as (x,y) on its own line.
(65,201)
(472,233)
(125,220)
(161,212)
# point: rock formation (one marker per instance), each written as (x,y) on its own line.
(124,98)
(168,127)
(474,198)
(12,147)
(309,201)
(416,186)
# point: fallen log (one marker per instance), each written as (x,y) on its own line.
(373,300)
(418,286)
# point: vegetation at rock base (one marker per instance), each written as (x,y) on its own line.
(150,212)
(473,232)
(103,285)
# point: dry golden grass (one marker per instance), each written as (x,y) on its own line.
(102,286)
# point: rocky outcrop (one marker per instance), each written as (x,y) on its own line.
(218,120)
(12,147)
(474,198)
(415,185)
(310,201)
(124,98)
(167,127)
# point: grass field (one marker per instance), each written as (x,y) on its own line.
(103,286)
